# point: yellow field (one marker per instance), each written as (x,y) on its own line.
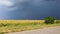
(22,25)
(20,21)
(18,25)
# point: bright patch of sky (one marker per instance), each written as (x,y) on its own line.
(6,3)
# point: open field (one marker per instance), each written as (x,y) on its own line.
(22,25)
(20,21)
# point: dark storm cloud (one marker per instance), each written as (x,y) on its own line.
(33,9)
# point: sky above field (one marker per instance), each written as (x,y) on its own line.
(29,9)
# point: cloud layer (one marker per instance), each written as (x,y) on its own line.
(6,3)
(29,9)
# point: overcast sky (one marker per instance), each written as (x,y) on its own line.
(29,9)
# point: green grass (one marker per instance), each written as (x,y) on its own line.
(17,27)
(24,26)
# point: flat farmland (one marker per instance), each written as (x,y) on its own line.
(20,21)
(7,26)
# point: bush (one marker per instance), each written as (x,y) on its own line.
(49,20)
(57,21)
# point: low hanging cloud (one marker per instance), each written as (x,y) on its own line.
(22,4)
(12,5)
(28,9)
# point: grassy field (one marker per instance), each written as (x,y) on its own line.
(23,25)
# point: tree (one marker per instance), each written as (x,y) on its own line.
(49,20)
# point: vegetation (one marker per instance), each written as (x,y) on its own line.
(22,25)
(57,21)
(49,20)
(1,32)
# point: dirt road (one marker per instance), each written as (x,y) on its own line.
(53,30)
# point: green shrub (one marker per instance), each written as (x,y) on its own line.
(57,21)
(49,20)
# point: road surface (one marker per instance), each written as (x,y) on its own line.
(53,30)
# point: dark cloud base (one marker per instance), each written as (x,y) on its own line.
(34,9)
